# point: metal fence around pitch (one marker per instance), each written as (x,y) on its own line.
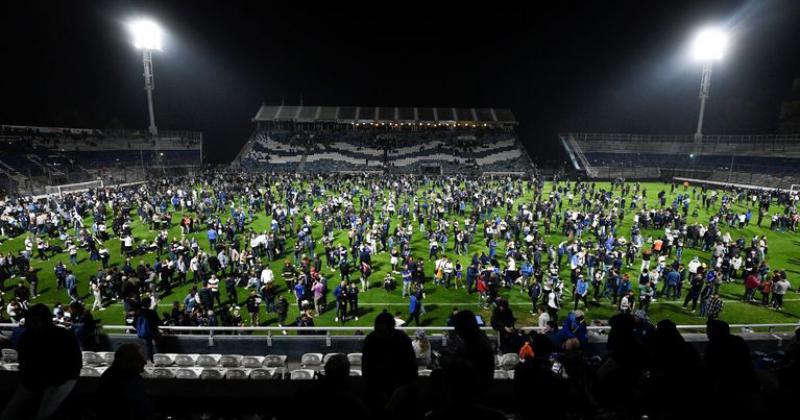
(700,328)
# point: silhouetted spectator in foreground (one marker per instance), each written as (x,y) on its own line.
(534,378)
(460,380)
(789,373)
(622,371)
(333,391)
(474,347)
(728,361)
(46,377)
(673,362)
(388,361)
(121,392)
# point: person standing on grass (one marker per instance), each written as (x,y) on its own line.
(97,292)
(751,283)
(340,294)
(253,303)
(213,284)
(766,288)
(581,291)
(72,286)
(779,289)
(318,289)
(714,306)
(352,298)
(282,310)
(705,296)
(230,289)
(212,239)
(414,309)
(694,291)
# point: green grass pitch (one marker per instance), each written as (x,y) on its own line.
(783,254)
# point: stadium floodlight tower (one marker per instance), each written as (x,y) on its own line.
(147,37)
(709,45)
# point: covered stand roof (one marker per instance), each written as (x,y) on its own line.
(372,114)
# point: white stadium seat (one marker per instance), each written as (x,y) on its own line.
(107,356)
(311,359)
(185,373)
(211,374)
(207,360)
(9,356)
(354,359)
(275,360)
(163,359)
(252,362)
(230,360)
(328,357)
(185,360)
(237,374)
(301,374)
(160,373)
(91,358)
(262,374)
(90,372)
(508,361)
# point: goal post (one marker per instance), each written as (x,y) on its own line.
(76,187)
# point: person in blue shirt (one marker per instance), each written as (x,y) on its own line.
(340,294)
(72,286)
(527,272)
(472,275)
(212,239)
(299,294)
(414,309)
(671,285)
(581,291)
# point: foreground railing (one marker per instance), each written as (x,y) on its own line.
(128,329)
(326,331)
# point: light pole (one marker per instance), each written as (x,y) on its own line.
(147,37)
(709,45)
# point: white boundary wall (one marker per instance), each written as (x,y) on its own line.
(727,184)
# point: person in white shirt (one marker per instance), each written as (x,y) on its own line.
(267,276)
(625,304)
(97,292)
(398,320)
(213,284)
(544,318)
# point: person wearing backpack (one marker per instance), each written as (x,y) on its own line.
(147,322)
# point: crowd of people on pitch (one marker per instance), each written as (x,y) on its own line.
(323,225)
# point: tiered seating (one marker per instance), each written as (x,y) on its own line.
(65,153)
(768,160)
(348,147)
(210,366)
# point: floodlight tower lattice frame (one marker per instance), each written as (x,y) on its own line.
(149,86)
(705,88)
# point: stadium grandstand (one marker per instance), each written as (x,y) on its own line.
(769,161)
(393,139)
(35,158)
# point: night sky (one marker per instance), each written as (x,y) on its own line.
(592,66)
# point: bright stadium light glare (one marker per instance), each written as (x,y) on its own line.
(709,44)
(146,34)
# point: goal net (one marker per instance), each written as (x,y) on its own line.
(76,187)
